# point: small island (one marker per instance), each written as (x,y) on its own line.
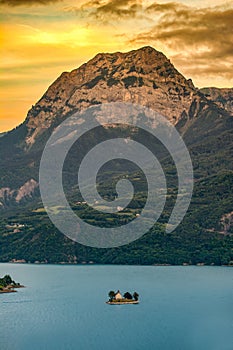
(118,299)
(8,285)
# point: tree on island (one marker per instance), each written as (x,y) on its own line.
(111,295)
(8,285)
(135,295)
(6,280)
(127,295)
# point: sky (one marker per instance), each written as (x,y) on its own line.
(39,39)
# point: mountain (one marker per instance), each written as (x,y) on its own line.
(148,78)
(145,77)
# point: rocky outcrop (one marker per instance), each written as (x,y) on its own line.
(9,196)
(26,191)
(6,195)
(222,97)
(227,223)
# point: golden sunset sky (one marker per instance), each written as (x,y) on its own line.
(40,39)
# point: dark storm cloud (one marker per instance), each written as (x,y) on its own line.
(27,2)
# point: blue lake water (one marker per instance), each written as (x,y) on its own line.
(63,308)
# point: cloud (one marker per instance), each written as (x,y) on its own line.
(27,2)
(156,7)
(118,8)
(182,26)
(106,10)
(203,36)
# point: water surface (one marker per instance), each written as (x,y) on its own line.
(63,308)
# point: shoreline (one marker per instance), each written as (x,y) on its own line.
(7,291)
(122,302)
(11,289)
(97,264)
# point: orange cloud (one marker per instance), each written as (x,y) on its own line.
(110,9)
(27,2)
(201,39)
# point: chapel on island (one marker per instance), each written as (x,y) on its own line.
(118,299)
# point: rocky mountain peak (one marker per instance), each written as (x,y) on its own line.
(144,56)
(144,76)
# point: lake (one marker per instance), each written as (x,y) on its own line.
(63,308)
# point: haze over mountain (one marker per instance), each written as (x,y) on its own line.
(145,77)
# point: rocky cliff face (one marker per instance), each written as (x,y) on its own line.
(11,196)
(143,76)
(222,97)
(227,223)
